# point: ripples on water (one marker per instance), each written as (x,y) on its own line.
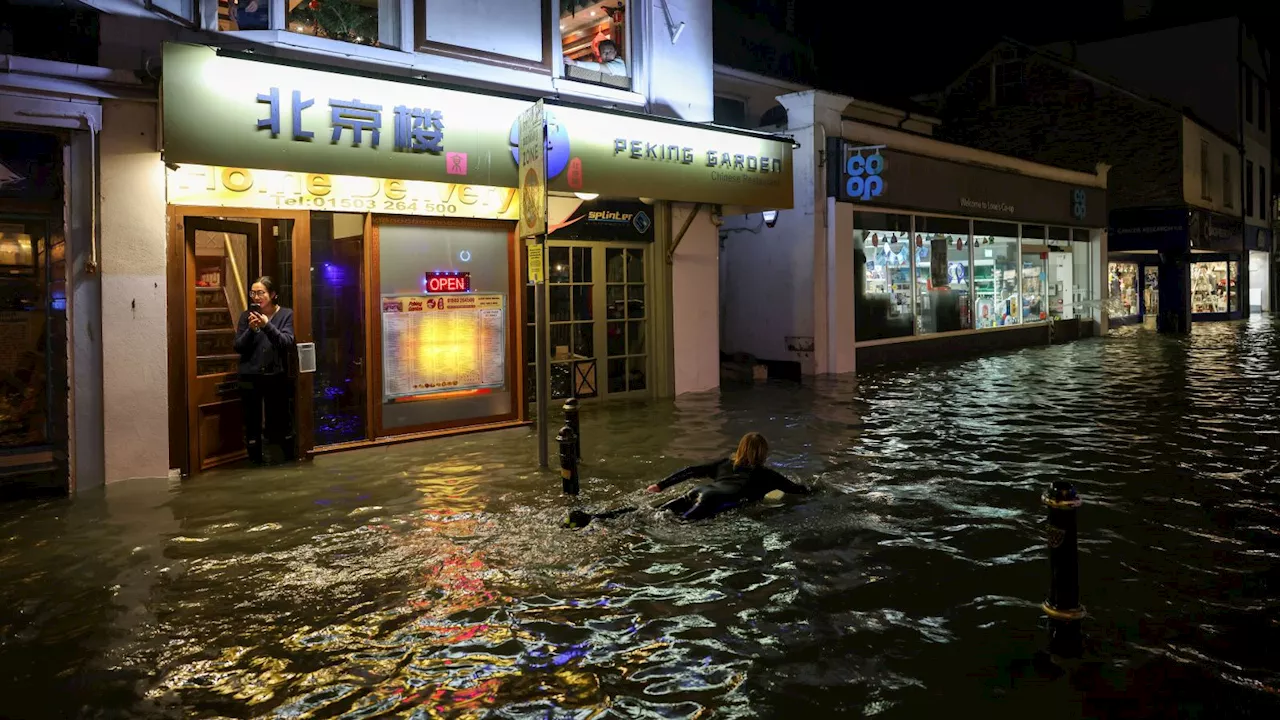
(431,580)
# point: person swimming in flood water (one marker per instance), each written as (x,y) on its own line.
(737,480)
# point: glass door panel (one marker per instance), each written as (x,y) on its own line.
(340,391)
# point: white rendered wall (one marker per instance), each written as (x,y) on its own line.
(695,297)
(132,267)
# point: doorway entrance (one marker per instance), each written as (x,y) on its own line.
(599,321)
(213,261)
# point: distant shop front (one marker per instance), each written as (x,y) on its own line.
(386,212)
(952,256)
(1171,266)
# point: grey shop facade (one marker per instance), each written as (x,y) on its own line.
(955,256)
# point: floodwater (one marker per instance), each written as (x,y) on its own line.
(432,579)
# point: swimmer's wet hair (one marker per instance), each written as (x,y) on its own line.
(752,451)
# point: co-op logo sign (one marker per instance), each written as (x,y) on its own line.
(864,175)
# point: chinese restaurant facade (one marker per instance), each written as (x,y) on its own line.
(386,213)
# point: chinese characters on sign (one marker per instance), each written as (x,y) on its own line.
(416,130)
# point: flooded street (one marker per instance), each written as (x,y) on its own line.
(433,580)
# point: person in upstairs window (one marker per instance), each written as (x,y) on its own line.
(737,480)
(610,63)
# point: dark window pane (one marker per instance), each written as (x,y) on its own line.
(560,336)
(617,376)
(530,343)
(558,265)
(617,299)
(635,301)
(636,377)
(615,265)
(635,266)
(880,221)
(584,337)
(617,340)
(998,229)
(635,337)
(1033,232)
(561,380)
(530,300)
(531,383)
(560,309)
(582,264)
(582,302)
(1059,234)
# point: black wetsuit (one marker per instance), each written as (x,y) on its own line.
(730,488)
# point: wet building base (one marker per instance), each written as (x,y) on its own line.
(967,344)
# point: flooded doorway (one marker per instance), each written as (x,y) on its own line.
(213,261)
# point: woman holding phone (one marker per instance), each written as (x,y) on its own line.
(264,339)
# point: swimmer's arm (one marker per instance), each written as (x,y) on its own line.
(780,482)
(689,473)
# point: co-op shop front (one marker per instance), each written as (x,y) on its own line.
(386,212)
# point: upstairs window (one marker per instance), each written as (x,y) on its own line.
(1248,96)
(1009,77)
(375,23)
(1248,188)
(594,40)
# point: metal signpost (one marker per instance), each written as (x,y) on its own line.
(533,231)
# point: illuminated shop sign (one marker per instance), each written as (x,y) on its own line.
(234,112)
(886,177)
(448,281)
(272,189)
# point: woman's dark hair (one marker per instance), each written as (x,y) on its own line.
(270,285)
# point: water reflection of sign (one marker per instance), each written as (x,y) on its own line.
(442,344)
(208,186)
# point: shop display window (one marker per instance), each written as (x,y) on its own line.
(1067,275)
(1034,274)
(443,354)
(995,274)
(1211,287)
(1233,288)
(1151,290)
(1122,280)
(882,276)
(942,274)
(593,39)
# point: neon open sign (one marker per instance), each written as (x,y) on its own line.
(448,281)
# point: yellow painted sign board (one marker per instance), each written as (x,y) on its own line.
(535,262)
(274,189)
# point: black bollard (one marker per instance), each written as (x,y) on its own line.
(571,421)
(568,440)
(1063,604)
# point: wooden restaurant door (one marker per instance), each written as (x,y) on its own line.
(213,260)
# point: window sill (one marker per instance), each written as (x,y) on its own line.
(579,89)
(299,41)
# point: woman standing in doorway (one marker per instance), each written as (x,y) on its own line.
(264,339)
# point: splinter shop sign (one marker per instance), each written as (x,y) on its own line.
(226,111)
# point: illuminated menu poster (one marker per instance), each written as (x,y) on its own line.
(442,343)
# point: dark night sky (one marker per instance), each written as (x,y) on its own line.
(896,48)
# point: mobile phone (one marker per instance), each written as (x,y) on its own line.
(255,307)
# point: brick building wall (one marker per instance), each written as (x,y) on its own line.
(1059,118)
